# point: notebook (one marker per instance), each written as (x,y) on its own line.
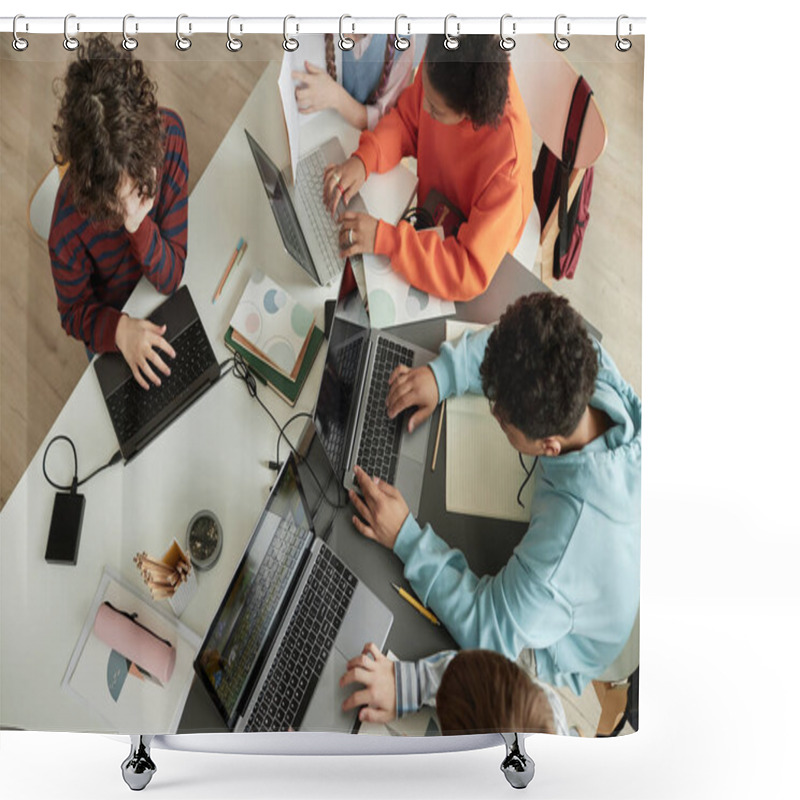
(286,388)
(292,617)
(139,415)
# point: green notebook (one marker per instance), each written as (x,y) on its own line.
(288,389)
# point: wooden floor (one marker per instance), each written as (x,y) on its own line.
(207,85)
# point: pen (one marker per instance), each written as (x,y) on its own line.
(416,604)
(438,437)
(227,270)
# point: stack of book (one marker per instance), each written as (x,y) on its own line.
(275,335)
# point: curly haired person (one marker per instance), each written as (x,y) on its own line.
(121,209)
(464,121)
(566,600)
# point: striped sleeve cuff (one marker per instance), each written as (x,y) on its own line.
(406,687)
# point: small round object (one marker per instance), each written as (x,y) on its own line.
(623,45)
(204,539)
(70,42)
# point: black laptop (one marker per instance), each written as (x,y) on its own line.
(139,415)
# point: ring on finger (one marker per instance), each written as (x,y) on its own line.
(350,235)
(336,177)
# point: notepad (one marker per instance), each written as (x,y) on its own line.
(272,325)
(483,472)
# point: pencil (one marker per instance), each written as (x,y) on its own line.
(227,271)
(438,438)
(414,603)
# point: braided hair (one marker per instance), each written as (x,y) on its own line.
(388,63)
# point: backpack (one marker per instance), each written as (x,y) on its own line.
(551,184)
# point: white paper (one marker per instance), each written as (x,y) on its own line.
(291,115)
(392,300)
(483,471)
(140,705)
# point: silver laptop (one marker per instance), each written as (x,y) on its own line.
(350,414)
(291,619)
(310,235)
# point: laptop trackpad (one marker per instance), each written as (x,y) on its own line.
(325,713)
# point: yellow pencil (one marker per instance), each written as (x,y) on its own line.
(412,601)
(438,437)
(227,271)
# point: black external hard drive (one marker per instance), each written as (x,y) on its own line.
(65,529)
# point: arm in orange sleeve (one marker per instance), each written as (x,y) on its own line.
(459,267)
(395,136)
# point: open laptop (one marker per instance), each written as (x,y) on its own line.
(350,414)
(139,415)
(292,617)
(310,235)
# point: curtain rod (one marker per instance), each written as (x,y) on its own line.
(298,25)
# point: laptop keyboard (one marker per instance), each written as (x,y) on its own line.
(131,407)
(380,436)
(260,607)
(309,192)
(305,646)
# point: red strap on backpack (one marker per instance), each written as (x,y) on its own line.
(572,136)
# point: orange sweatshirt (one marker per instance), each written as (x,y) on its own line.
(486,173)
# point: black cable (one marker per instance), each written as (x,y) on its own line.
(242,372)
(528,474)
(73,487)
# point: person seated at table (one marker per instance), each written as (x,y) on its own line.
(473,691)
(121,209)
(464,120)
(373,74)
(568,596)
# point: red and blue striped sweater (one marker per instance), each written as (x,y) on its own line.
(95,268)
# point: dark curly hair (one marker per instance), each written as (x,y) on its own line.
(108,124)
(540,367)
(473,79)
(483,692)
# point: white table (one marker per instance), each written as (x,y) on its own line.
(214,457)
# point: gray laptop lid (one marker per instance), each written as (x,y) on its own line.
(283,208)
(244,628)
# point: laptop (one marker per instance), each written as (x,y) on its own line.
(139,415)
(310,235)
(350,414)
(292,617)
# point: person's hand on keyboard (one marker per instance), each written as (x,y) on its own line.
(376,672)
(357,234)
(137,340)
(409,388)
(383,509)
(342,182)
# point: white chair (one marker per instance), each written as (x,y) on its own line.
(546,81)
(40,206)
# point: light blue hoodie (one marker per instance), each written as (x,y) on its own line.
(570,590)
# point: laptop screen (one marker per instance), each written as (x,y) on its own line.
(335,413)
(234,649)
(283,209)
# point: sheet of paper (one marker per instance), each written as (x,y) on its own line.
(394,301)
(483,470)
(112,685)
(291,115)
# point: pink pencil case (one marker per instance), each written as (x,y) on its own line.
(134,641)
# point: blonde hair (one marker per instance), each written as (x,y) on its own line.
(483,692)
